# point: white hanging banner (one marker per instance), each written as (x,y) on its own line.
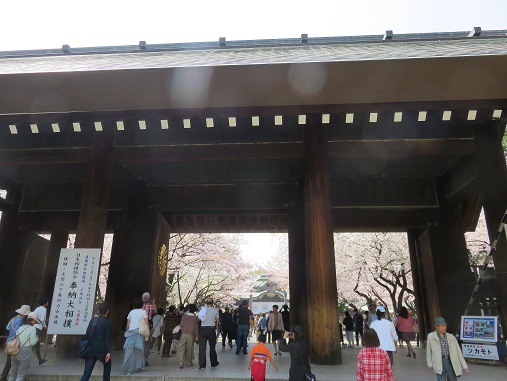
(74,294)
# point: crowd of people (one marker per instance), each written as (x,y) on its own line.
(174,333)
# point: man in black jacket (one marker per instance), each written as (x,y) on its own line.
(98,334)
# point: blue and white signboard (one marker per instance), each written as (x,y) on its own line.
(479,329)
(74,294)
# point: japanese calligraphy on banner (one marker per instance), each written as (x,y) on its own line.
(479,329)
(480,351)
(74,295)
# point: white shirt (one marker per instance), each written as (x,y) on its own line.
(386,334)
(211,317)
(134,316)
(158,322)
(41,311)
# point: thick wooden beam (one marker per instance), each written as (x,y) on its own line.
(241,151)
(460,181)
(344,220)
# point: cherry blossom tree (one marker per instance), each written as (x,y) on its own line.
(478,242)
(206,265)
(374,268)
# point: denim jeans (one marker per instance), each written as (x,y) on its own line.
(242,337)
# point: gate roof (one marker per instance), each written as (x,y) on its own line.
(215,129)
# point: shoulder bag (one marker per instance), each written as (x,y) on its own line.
(308,376)
(144,329)
(85,349)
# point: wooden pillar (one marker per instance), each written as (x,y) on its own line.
(429,278)
(297,262)
(417,279)
(12,257)
(323,330)
(134,267)
(492,174)
(91,226)
(58,241)
(449,280)
(34,253)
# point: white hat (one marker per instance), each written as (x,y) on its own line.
(381,309)
(146,296)
(23,310)
(34,316)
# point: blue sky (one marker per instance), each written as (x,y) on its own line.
(37,24)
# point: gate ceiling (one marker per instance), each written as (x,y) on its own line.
(216,132)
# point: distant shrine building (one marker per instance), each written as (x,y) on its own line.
(307,136)
(265,295)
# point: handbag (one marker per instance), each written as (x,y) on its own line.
(416,328)
(85,349)
(308,376)
(144,329)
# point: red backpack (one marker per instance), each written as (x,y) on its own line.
(258,367)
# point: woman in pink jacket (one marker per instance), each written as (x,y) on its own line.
(405,326)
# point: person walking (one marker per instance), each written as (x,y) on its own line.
(285,311)
(207,335)
(386,333)
(134,341)
(348,322)
(13,325)
(244,316)
(41,326)
(151,310)
(296,344)
(27,335)
(275,326)
(99,336)
(373,363)
(405,326)
(171,320)
(226,324)
(259,356)
(443,354)
(262,324)
(189,335)
(156,334)
(358,325)
(372,316)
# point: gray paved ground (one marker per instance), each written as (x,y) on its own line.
(234,367)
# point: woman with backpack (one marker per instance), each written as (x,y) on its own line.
(13,325)
(27,336)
